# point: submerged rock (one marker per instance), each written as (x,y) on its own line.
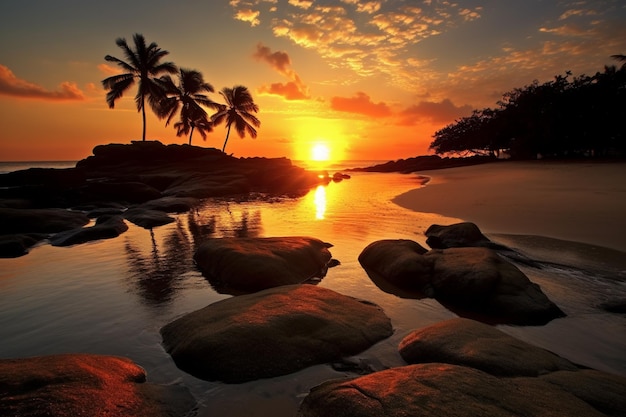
(273,332)
(466,280)
(253,264)
(147,218)
(85,385)
(106,227)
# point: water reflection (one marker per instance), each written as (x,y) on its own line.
(156,269)
(320,202)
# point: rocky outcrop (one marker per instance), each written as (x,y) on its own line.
(81,384)
(273,332)
(253,264)
(106,227)
(477,345)
(425,163)
(466,280)
(167,178)
(465,368)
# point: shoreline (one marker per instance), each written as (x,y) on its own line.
(580,202)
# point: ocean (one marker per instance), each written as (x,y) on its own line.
(112,296)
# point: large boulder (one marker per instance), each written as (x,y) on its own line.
(85,385)
(253,264)
(106,227)
(273,332)
(466,280)
(477,345)
(434,390)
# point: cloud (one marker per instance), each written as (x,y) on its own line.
(361,103)
(295,89)
(109,69)
(248,15)
(442,112)
(12,86)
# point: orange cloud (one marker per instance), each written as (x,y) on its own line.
(444,111)
(248,15)
(361,103)
(10,85)
(109,69)
(295,89)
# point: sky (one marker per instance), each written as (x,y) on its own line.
(367,80)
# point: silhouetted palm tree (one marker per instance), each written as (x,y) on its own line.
(186,97)
(621,58)
(141,64)
(187,125)
(238,110)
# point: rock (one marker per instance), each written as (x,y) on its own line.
(106,227)
(434,390)
(616,305)
(13,246)
(22,221)
(458,235)
(470,343)
(466,280)
(171,204)
(147,218)
(397,265)
(273,332)
(253,264)
(125,191)
(85,385)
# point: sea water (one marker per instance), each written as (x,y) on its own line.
(113,296)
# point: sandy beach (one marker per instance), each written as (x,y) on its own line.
(575,201)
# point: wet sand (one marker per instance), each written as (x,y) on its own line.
(574,201)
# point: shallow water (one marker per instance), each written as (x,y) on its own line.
(113,296)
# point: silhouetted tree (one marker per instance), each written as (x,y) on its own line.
(143,65)
(564,117)
(238,110)
(187,98)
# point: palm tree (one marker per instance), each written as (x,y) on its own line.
(141,64)
(621,58)
(187,97)
(188,125)
(238,110)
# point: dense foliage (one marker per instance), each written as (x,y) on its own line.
(582,116)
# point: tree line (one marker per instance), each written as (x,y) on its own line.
(565,117)
(187,97)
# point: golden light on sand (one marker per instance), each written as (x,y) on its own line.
(320,152)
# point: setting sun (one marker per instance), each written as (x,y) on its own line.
(320,152)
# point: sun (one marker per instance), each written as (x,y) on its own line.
(320,152)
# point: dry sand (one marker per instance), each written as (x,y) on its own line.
(575,201)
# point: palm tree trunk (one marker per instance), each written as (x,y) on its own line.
(143,115)
(191,134)
(226,141)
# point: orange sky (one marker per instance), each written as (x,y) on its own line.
(371,79)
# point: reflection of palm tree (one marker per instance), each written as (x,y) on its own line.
(141,64)
(238,110)
(188,98)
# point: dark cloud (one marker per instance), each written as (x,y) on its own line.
(442,112)
(294,89)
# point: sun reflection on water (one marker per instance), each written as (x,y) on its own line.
(320,202)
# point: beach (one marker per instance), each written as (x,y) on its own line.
(574,201)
